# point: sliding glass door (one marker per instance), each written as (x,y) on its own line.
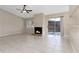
(54,25)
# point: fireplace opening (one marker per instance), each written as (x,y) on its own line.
(38,30)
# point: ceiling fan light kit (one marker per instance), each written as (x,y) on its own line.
(24,10)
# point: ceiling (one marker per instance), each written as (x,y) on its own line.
(46,9)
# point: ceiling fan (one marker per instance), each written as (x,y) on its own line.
(24,9)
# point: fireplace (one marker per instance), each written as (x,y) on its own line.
(38,30)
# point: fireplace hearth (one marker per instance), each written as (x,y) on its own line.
(38,30)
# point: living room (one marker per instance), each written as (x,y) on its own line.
(24,28)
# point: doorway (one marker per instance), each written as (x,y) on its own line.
(54,28)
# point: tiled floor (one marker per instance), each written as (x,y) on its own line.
(26,43)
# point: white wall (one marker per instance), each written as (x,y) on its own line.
(38,20)
(10,24)
(28,25)
(74,27)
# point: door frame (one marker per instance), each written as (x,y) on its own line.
(61,25)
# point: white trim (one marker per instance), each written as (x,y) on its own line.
(75,9)
(10,34)
(73,48)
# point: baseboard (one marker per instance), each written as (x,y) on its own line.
(65,37)
(73,48)
(70,40)
(10,34)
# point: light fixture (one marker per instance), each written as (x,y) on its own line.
(24,9)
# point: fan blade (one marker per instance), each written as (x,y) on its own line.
(29,10)
(24,7)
